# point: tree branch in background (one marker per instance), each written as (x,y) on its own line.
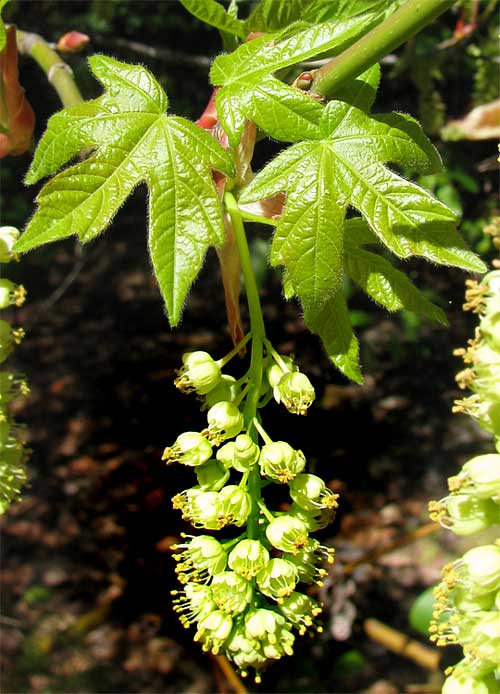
(59,74)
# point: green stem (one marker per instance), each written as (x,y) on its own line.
(413,16)
(59,74)
(236,350)
(256,358)
(259,219)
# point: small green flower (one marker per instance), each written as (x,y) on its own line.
(190,448)
(241,454)
(201,509)
(213,630)
(315,520)
(201,558)
(270,629)
(465,515)
(484,641)
(12,476)
(482,565)
(456,684)
(235,505)
(483,474)
(224,422)
(309,561)
(287,533)
(279,461)
(12,385)
(199,373)
(301,611)
(11,294)
(295,391)
(278,579)
(311,493)
(8,237)
(231,592)
(193,603)
(245,652)
(248,558)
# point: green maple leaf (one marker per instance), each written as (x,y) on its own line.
(249,90)
(210,12)
(386,285)
(272,15)
(345,165)
(135,142)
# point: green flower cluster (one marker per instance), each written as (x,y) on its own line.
(13,453)
(467,601)
(242,592)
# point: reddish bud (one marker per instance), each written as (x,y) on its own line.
(72,42)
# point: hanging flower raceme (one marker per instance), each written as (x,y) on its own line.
(243,593)
(13,452)
(467,601)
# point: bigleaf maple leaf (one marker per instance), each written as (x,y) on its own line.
(249,90)
(135,141)
(344,165)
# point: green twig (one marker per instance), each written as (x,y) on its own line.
(59,74)
(413,16)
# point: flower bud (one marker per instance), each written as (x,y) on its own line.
(190,448)
(241,454)
(224,421)
(231,592)
(278,579)
(8,237)
(483,569)
(311,493)
(248,558)
(214,630)
(296,392)
(227,389)
(212,475)
(287,533)
(72,42)
(280,462)
(204,556)
(235,505)
(199,373)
